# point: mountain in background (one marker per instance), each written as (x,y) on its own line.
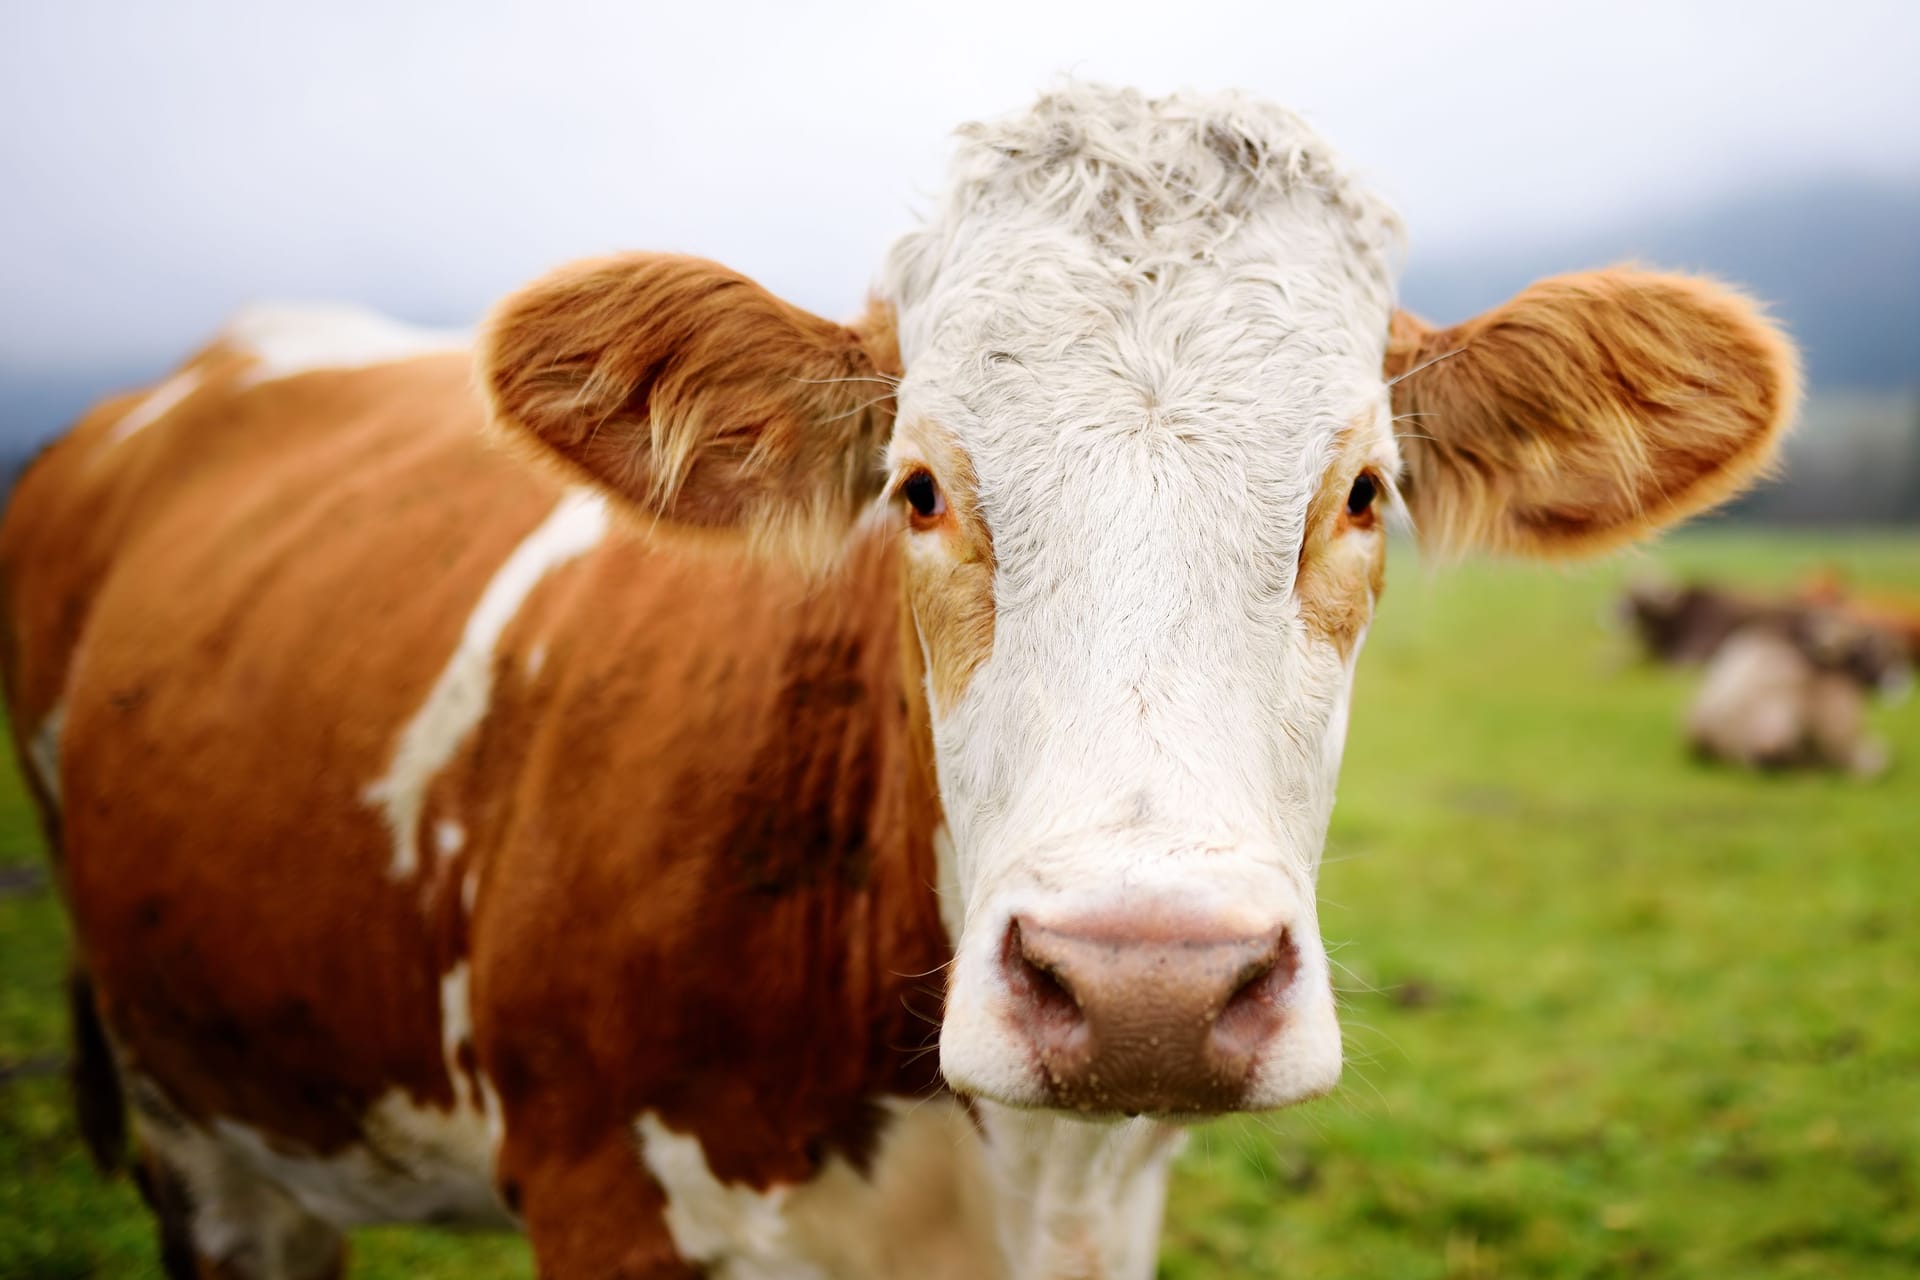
(1838,261)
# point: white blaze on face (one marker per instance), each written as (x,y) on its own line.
(1154,332)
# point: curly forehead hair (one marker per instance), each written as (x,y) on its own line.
(1154,182)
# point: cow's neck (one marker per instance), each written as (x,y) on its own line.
(859,614)
(1078,1198)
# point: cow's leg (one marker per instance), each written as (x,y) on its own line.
(219,1220)
(94,1077)
(166,1195)
(599,1216)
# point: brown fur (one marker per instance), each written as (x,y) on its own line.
(701,827)
(204,632)
(51,567)
(1589,410)
(1340,578)
(698,396)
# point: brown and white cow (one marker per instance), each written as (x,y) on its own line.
(1780,697)
(648,849)
(1787,681)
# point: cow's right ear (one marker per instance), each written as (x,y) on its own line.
(698,397)
(1589,410)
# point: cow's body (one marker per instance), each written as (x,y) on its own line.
(444,845)
(354,911)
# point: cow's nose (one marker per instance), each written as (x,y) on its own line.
(1130,1019)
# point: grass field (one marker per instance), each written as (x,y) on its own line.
(1608,1012)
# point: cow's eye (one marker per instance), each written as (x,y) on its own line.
(923,494)
(1360,497)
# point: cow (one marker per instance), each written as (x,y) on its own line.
(1793,692)
(732,793)
(1787,680)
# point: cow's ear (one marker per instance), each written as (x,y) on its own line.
(1589,410)
(698,397)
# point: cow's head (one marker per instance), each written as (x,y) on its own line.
(1154,408)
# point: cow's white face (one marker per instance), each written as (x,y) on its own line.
(1138,458)
(1143,445)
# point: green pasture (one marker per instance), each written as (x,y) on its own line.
(1609,1012)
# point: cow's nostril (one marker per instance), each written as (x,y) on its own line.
(1049,1000)
(1252,1011)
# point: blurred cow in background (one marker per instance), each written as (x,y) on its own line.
(1787,681)
(1778,696)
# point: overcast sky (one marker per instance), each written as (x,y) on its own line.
(161,163)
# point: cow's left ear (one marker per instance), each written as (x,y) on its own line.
(1587,411)
(698,397)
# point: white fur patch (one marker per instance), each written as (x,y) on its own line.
(43,752)
(157,404)
(285,339)
(925,1208)
(449,837)
(456,1028)
(419,1164)
(280,1210)
(237,1218)
(459,698)
(952,903)
(711,1221)
(1079,1198)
